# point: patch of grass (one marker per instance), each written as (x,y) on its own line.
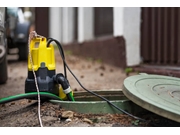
(128,70)
(89,59)
(136,122)
(68,52)
(99,60)
(94,60)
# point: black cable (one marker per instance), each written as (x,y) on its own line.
(104,98)
(61,52)
(60,47)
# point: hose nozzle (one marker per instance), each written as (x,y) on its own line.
(60,79)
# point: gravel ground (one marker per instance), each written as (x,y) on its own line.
(93,74)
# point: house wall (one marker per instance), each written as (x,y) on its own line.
(126,28)
(103,21)
(42,21)
(127,24)
(160,42)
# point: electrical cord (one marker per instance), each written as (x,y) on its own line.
(65,65)
(29,95)
(103,98)
(52,96)
(61,53)
(69,95)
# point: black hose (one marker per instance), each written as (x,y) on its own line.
(60,79)
(60,47)
(61,52)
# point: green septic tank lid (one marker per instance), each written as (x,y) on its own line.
(85,102)
(156,93)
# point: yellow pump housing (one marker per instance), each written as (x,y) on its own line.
(44,66)
(41,53)
(43,60)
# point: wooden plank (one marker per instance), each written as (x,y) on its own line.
(178,36)
(145,40)
(153,42)
(165,36)
(159,31)
(172,35)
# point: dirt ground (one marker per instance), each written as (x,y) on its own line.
(93,74)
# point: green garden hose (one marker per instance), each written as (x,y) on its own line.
(29,95)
